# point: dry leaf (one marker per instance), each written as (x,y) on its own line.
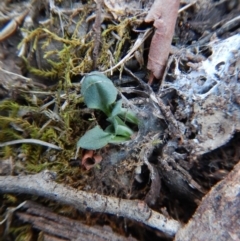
(164,14)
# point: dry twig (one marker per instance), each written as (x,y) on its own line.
(30,141)
(42,184)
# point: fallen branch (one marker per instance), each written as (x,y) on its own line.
(42,184)
(54,225)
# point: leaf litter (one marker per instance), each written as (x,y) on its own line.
(41,99)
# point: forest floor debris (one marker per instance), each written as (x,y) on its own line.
(188,136)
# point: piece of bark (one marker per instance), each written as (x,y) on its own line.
(57,227)
(217,217)
(42,184)
(176,129)
(164,14)
(47,237)
(154,191)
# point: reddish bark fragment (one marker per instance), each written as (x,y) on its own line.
(164,14)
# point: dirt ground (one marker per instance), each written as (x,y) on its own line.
(187,138)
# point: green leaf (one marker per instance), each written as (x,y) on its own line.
(115,120)
(119,139)
(116,139)
(110,129)
(94,139)
(98,91)
(120,128)
(129,116)
(117,108)
(123,131)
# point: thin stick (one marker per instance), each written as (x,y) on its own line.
(174,127)
(20,76)
(136,45)
(42,184)
(186,7)
(30,141)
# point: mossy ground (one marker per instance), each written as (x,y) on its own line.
(52,112)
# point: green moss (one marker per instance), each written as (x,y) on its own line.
(34,168)
(61,122)
(120,47)
(23,233)
(10,199)
(75,55)
(7,152)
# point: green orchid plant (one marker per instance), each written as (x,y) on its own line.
(99,93)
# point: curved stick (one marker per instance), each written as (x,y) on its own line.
(42,184)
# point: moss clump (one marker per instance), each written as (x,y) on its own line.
(56,119)
(70,53)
